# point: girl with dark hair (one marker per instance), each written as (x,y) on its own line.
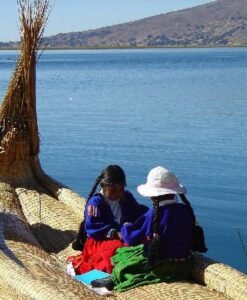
(161,241)
(105,213)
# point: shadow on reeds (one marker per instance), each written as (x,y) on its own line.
(12,228)
(200,264)
(52,240)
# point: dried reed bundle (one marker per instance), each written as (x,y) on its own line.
(18,120)
(33,207)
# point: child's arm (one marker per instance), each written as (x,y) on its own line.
(98,224)
(137,232)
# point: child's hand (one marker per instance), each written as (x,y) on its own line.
(119,236)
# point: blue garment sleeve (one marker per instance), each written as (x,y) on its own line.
(137,232)
(131,209)
(98,226)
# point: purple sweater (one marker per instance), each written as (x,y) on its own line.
(97,227)
(175,227)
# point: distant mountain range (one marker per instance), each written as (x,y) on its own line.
(219,23)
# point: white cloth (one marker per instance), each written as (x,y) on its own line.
(166,202)
(70,269)
(115,208)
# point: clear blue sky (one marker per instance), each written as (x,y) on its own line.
(79,15)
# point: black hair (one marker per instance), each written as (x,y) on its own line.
(188,205)
(112,174)
(97,181)
(198,238)
(154,250)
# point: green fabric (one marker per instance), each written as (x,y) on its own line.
(130,269)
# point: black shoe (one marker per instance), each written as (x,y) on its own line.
(77,245)
(104,282)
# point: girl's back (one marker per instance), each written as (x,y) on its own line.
(175,230)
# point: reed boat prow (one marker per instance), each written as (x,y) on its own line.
(39,216)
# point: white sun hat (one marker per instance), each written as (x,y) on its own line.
(160,181)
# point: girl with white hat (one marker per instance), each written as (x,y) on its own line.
(161,239)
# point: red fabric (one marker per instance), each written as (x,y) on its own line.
(96,255)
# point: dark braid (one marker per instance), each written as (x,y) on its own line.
(82,230)
(188,205)
(97,181)
(154,251)
(82,235)
(156,228)
(198,238)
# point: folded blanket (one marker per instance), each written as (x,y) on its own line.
(130,269)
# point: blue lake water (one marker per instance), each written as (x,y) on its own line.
(185,109)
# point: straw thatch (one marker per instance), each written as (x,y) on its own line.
(39,217)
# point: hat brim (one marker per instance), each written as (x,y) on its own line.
(147,191)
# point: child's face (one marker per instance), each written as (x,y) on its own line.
(113,192)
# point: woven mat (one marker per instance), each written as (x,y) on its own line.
(31,272)
(36,230)
(171,291)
